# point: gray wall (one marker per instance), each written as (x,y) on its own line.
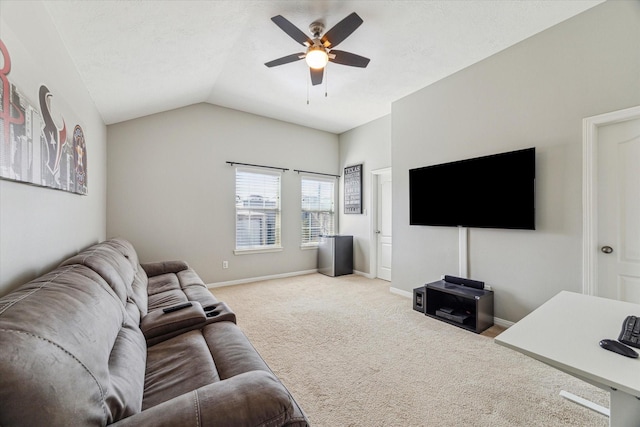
(535,93)
(172,195)
(370,145)
(39,227)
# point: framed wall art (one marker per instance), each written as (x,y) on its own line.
(353,189)
(39,143)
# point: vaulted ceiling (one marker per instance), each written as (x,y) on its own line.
(142,57)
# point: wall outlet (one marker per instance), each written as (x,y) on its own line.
(225,264)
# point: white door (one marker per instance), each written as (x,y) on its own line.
(383,226)
(618,192)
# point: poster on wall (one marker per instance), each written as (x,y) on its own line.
(36,145)
(353,189)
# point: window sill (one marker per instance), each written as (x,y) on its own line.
(258,251)
(309,246)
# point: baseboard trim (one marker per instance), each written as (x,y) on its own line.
(401,292)
(367,275)
(504,323)
(259,279)
(496,320)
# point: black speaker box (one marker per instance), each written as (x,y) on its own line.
(419,302)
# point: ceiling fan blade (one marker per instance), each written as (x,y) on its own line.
(293,31)
(348,58)
(316,76)
(285,59)
(341,30)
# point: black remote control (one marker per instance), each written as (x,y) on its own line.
(619,348)
(176,307)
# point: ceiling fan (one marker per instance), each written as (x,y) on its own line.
(320,49)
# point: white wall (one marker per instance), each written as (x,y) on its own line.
(39,227)
(369,144)
(533,94)
(171,193)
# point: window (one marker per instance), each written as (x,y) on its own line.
(257,210)
(317,209)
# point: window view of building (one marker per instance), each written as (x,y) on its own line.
(318,200)
(257,210)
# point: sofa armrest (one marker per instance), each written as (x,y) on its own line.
(219,312)
(158,326)
(254,398)
(164,267)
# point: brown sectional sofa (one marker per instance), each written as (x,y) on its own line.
(89,344)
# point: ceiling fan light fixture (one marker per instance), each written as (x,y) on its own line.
(316,57)
(321,48)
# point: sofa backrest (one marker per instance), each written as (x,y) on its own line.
(137,289)
(117,262)
(69,352)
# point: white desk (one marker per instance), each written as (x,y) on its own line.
(564,333)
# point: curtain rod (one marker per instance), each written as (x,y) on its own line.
(317,173)
(258,166)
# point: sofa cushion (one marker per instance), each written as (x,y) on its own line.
(177,366)
(164,267)
(139,291)
(231,350)
(126,368)
(76,357)
(163,283)
(136,290)
(114,268)
(117,262)
(189,278)
(255,399)
(166,299)
(200,294)
(126,249)
(171,289)
(195,289)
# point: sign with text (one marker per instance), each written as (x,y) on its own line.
(353,189)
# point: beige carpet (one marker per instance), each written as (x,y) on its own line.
(354,354)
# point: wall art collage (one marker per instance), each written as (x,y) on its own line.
(36,145)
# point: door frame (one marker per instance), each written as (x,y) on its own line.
(373,222)
(590,127)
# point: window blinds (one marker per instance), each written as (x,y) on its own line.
(257,209)
(318,200)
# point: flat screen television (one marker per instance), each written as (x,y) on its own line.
(496,191)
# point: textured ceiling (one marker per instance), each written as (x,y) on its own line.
(142,57)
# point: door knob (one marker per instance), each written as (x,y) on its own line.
(377,231)
(607,249)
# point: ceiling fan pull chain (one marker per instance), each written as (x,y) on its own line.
(307,80)
(326,81)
